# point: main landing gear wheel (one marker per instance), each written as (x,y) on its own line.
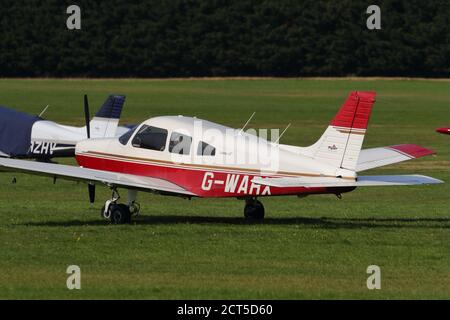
(117,213)
(120,214)
(253,210)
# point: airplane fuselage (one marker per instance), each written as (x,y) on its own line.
(228,173)
(51,140)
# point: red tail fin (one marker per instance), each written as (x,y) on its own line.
(341,143)
(355,112)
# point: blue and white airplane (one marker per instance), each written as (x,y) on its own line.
(28,136)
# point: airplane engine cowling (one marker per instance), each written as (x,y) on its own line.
(15,132)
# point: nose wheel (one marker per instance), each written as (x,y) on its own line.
(254,209)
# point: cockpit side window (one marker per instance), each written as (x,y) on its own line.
(152,138)
(123,139)
(180,143)
(205,149)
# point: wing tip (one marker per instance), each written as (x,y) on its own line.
(429,180)
(413,150)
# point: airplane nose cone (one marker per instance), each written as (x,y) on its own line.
(443,130)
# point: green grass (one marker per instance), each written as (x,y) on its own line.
(316,247)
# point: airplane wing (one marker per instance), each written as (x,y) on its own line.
(93,176)
(363,181)
(378,157)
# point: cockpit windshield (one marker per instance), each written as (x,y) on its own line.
(152,138)
(123,139)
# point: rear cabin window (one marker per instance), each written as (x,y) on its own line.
(205,149)
(151,138)
(180,143)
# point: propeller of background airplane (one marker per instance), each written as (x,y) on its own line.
(91,187)
(87,116)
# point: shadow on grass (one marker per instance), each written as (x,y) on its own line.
(323,222)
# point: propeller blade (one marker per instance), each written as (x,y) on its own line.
(91,190)
(87,116)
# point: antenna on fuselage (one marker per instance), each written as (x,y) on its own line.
(43,111)
(245,125)
(283,133)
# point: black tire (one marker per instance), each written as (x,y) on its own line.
(120,214)
(254,210)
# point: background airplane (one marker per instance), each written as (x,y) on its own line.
(143,160)
(443,130)
(28,136)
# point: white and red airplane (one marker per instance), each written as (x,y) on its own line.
(189,157)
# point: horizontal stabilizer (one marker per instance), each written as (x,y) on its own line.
(382,156)
(397,180)
(362,181)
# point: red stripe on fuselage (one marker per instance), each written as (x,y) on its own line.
(204,183)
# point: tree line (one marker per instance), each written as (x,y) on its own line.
(190,38)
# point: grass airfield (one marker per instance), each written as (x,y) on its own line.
(316,247)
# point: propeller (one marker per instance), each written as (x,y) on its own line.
(87,116)
(91,186)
